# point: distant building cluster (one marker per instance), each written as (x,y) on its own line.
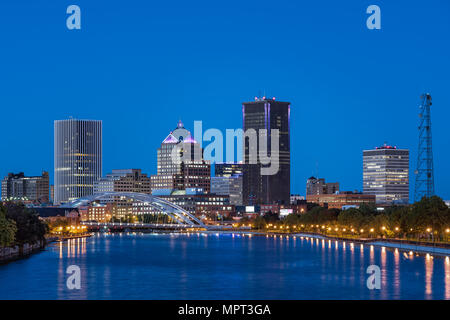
(236,189)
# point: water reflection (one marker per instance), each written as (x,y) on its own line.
(447,278)
(428,276)
(235,266)
(396,282)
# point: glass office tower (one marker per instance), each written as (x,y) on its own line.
(386,174)
(267,189)
(78,158)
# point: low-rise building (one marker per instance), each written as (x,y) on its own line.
(18,187)
(283,210)
(341,199)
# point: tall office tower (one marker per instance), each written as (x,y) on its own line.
(258,188)
(27,189)
(78,158)
(316,186)
(386,174)
(181,164)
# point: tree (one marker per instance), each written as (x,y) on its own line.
(292,219)
(30,228)
(271,217)
(351,217)
(8,229)
(259,223)
(430,213)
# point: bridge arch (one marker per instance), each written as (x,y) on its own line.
(178,214)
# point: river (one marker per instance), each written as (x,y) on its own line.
(222,266)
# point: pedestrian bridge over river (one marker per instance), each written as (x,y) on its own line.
(182,218)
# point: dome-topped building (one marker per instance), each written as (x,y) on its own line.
(180,162)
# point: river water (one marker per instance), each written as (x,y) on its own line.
(222,266)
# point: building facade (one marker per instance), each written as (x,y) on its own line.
(295,198)
(26,189)
(181,164)
(124,180)
(77,157)
(228,169)
(341,199)
(228,186)
(386,174)
(319,186)
(258,115)
(228,180)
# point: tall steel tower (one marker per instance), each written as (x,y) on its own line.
(424,172)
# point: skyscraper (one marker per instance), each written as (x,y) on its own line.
(275,188)
(78,158)
(191,171)
(386,174)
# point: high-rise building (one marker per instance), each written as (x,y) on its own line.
(181,164)
(26,189)
(386,174)
(266,114)
(78,158)
(319,186)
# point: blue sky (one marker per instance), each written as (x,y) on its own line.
(140,66)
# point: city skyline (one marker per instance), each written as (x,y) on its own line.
(225,159)
(364,92)
(154,172)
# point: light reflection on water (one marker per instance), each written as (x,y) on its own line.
(223,266)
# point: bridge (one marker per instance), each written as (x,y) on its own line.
(182,218)
(121,226)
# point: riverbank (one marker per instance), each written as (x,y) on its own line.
(401,244)
(59,238)
(442,249)
(8,254)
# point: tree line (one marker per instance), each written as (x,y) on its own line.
(20,225)
(427,218)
